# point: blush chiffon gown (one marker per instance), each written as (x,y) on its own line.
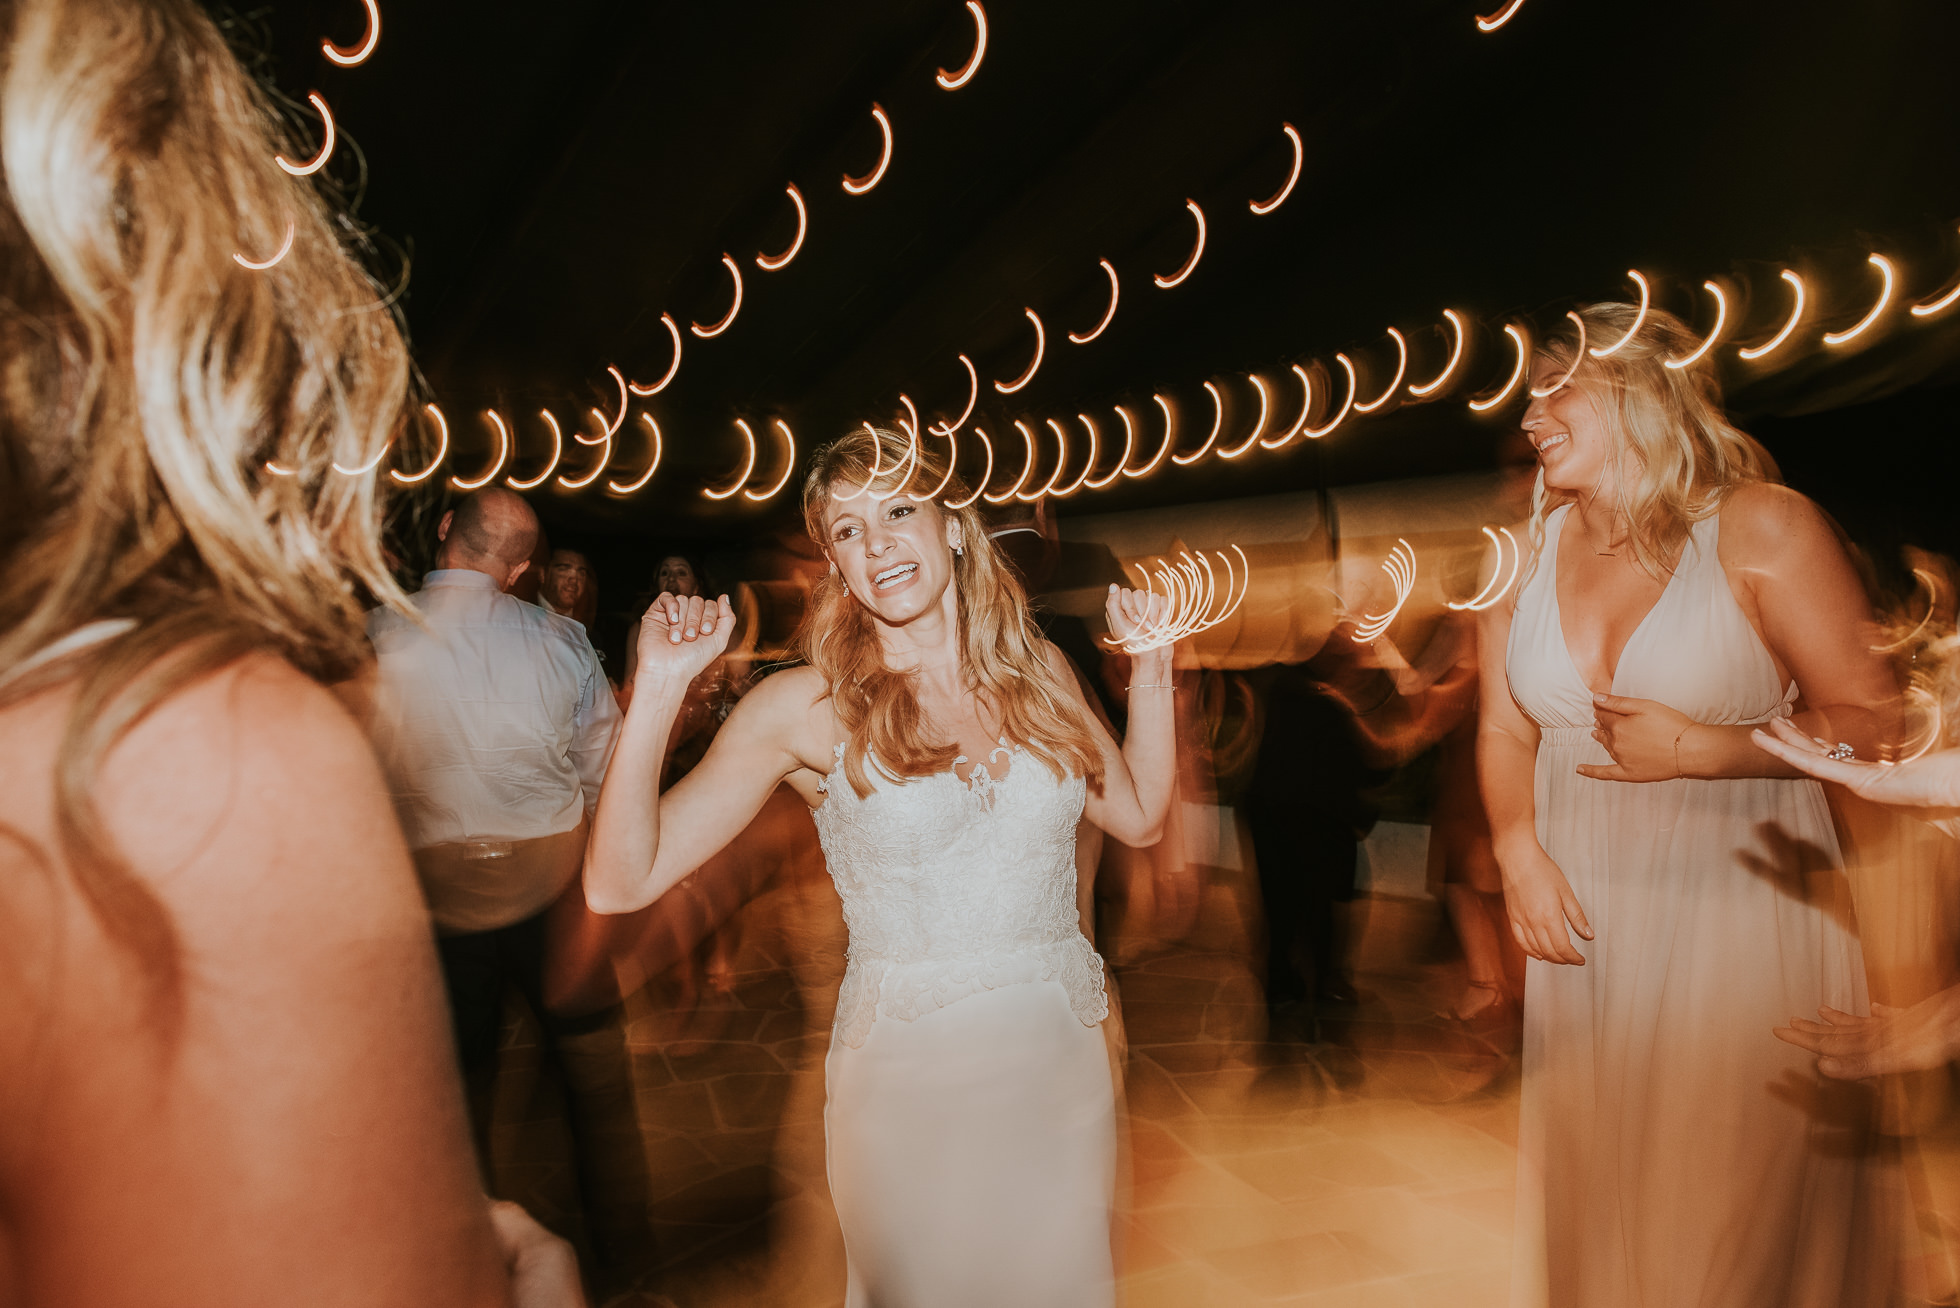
(1673,1153)
(970,1117)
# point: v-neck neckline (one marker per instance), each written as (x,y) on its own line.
(1558,611)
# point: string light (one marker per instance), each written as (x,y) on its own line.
(1028,438)
(1640,317)
(747,468)
(1400,565)
(952,461)
(1920,577)
(442,450)
(1492,591)
(347,58)
(1491,22)
(1577,356)
(954,81)
(652,467)
(859,185)
(318,161)
(1517,373)
(673,329)
(1347,366)
(789,464)
(1197,251)
(1170,439)
(1108,314)
(972,398)
(1401,370)
(1714,333)
(367,467)
(1055,489)
(1217,425)
(877,467)
(503,452)
(1094,437)
(278,471)
(985,477)
(1884,267)
(1263,207)
(910,463)
(604,438)
(1034,364)
(705,332)
(1259,427)
(911,420)
(1306,407)
(1061,462)
(1796,314)
(285,248)
(557,452)
(772,262)
(1456,356)
(1927,308)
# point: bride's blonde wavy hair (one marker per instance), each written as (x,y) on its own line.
(147,378)
(1001,647)
(1689,457)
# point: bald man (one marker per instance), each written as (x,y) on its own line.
(495,724)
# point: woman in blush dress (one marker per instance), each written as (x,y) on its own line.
(949,756)
(1677,888)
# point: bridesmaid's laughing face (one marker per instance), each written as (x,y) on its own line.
(896,556)
(1573,445)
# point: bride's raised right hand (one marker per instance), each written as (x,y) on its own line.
(681,635)
(1542,906)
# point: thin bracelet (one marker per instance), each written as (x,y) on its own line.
(1677,750)
(1154,685)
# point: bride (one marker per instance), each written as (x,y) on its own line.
(949,757)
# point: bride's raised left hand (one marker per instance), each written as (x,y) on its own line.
(1642,735)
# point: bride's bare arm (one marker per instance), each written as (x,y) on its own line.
(643,842)
(1140,777)
(1536,894)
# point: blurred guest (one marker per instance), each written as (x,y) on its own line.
(494,724)
(567,588)
(1675,598)
(223,1075)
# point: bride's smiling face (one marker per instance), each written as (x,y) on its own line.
(1574,447)
(896,555)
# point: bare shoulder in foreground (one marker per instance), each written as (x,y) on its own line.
(279,1049)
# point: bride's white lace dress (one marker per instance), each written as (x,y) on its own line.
(971,1115)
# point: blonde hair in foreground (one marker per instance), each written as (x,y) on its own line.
(1688,456)
(146,378)
(1000,646)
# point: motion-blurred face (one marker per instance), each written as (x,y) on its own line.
(675,576)
(567,579)
(896,556)
(1565,429)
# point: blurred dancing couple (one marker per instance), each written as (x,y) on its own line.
(949,758)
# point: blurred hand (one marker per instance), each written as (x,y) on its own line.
(1912,1039)
(1542,905)
(1134,612)
(543,1268)
(681,635)
(1931,781)
(1641,735)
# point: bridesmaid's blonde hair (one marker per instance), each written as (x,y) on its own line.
(147,381)
(1001,648)
(1670,419)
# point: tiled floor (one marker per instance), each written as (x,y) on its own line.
(1361,1156)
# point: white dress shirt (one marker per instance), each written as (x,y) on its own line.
(493,720)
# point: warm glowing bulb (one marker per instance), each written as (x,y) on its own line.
(260,265)
(1884,267)
(1517,372)
(1927,308)
(1259,427)
(1646,295)
(1170,438)
(1197,251)
(748,467)
(673,329)
(734,308)
(1299,423)
(1400,565)
(652,467)
(604,438)
(1027,438)
(1061,462)
(1292,178)
(771,262)
(1401,370)
(985,477)
(1491,22)
(318,161)
(1094,438)
(1789,325)
(1493,591)
(789,463)
(1347,366)
(972,398)
(1714,333)
(954,81)
(1539,393)
(1456,356)
(1217,425)
(442,450)
(503,452)
(859,185)
(557,452)
(1034,364)
(346,56)
(952,461)
(1108,313)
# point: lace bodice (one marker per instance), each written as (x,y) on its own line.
(953,887)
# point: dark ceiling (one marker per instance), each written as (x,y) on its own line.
(562,174)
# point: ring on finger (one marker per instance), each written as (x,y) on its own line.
(1842,752)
